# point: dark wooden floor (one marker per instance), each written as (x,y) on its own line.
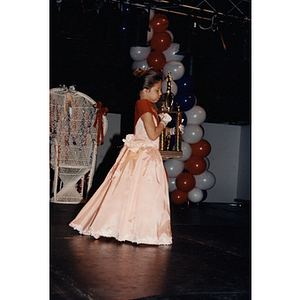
(209,258)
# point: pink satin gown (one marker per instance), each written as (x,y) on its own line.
(132,204)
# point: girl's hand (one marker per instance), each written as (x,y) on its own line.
(181,128)
(165,118)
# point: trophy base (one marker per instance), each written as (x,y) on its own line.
(170,154)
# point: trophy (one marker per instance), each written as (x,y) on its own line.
(165,106)
(169,96)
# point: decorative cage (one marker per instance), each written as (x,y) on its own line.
(77,126)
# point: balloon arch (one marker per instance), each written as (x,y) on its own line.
(189,177)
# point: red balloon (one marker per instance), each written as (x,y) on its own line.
(185,182)
(156,60)
(159,23)
(196,165)
(161,41)
(179,197)
(202,148)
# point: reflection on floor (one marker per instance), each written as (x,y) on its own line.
(209,258)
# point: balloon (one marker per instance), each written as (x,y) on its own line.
(178,57)
(171,34)
(184,122)
(161,41)
(174,167)
(179,197)
(195,195)
(196,165)
(195,115)
(173,86)
(150,33)
(186,150)
(205,181)
(170,53)
(139,53)
(156,60)
(186,83)
(207,162)
(140,65)
(152,14)
(195,100)
(204,195)
(185,100)
(175,67)
(192,133)
(202,148)
(172,184)
(185,182)
(159,23)
(202,129)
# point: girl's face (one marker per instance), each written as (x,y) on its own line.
(153,94)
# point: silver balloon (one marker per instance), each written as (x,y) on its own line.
(193,133)
(186,151)
(174,167)
(196,115)
(205,181)
(140,65)
(172,184)
(195,195)
(175,67)
(138,53)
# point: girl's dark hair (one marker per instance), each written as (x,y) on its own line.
(144,79)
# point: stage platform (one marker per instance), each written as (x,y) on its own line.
(209,258)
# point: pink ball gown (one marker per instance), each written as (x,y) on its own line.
(132,204)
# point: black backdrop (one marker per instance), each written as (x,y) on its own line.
(86,49)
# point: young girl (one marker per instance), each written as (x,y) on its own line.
(132,204)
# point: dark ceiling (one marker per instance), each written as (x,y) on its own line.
(87,49)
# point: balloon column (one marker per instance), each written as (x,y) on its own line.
(160,53)
(188,176)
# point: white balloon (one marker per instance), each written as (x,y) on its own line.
(172,184)
(196,115)
(195,100)
(207,162)
(195,195)
(150,33)
(174,88)
(178,57)
(140,64)
(175,67)
(186,151)
(193,133)
(174,167)
(152,13)
(139,53)
(171,34)
(205,181)
(170,53)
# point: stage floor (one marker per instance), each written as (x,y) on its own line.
(209,258)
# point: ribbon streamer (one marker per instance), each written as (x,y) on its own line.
(101,111)
(68,99)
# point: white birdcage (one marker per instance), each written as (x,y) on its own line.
(74,135)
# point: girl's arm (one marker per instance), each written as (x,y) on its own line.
(153,131)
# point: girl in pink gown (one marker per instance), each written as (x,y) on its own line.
(132,204)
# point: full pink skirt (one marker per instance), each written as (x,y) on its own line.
(132,204)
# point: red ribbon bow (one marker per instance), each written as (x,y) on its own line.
(101,111)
